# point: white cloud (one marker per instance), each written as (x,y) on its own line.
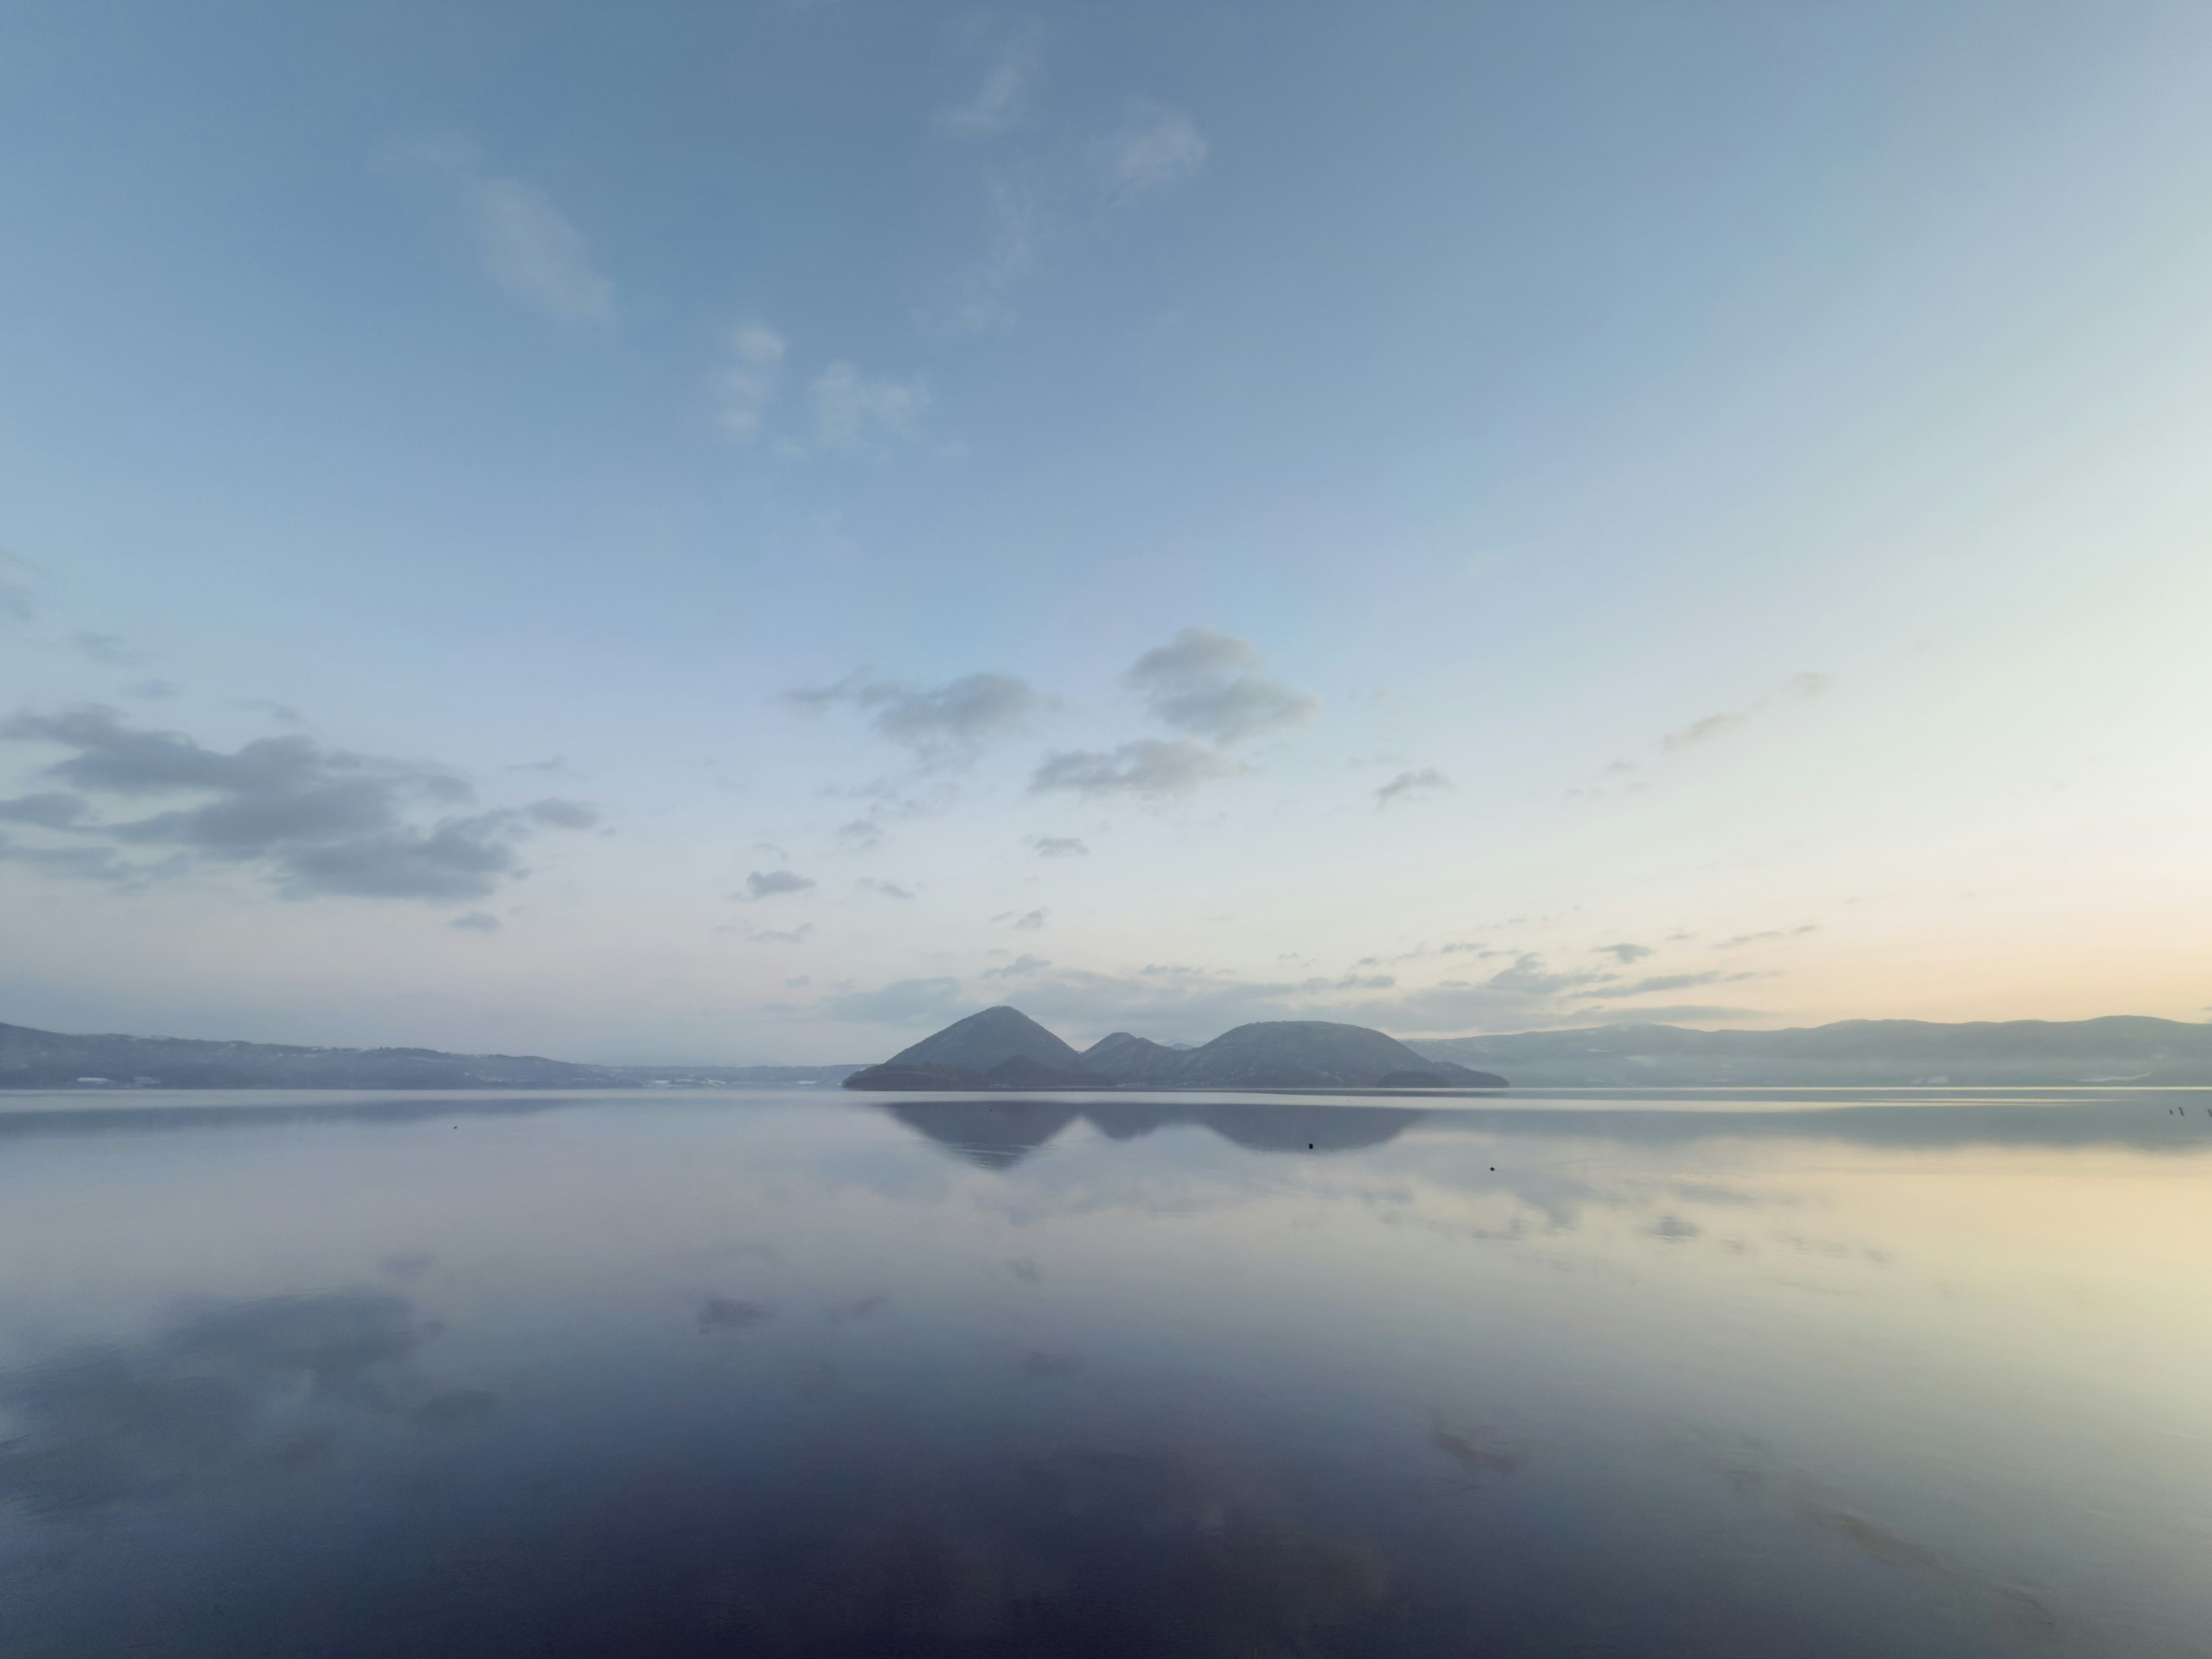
(1019,225)
(1002,101)
(1153,147)
(850,409)
(529,249)
(747,380)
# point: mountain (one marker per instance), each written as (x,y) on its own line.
(48,1059)
(1855,1052)
(999,1049)
(1314,1053)
(1128,1059)
(1005,1048)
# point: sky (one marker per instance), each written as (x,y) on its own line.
(742,533)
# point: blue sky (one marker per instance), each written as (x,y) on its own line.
(661,532)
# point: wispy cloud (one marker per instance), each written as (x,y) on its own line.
(1057,847)
(745,383)
(888,889)
(1018,223)
(1625,954)
(1798,688)
(853,411)
(17,601)
(108,649)
(531,249)
(947,724)
(1153,147)
(1002,100)
(1410,786)
(1147,767)
(476,922)
(528,246)
(1770,934)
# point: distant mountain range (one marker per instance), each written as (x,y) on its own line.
(1852,1052)
(48,1059)
(1003,1049)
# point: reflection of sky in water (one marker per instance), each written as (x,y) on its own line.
(706,1375)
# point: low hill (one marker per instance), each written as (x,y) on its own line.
(1855,1052)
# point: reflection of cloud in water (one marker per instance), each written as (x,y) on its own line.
(252,1385)
(1749,1471)
(1476,1453)
(728,1313)
(1073,1552)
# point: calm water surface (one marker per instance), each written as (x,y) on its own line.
(811,1375)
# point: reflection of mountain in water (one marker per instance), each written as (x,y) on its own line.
(995,1134)
(999,1133)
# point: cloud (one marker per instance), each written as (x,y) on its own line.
(944,725)
(529,249)
(1624,954)
(860,836)
(317,820)
(767,884)
(1770,933)
(17,602)
(1801,687)
(1408,785)
(1699,730)
(906,1002)
(476,922)
(1057,846)
(1529,976)
(798,935)
(1030,921)
(80,863)
(1658,982)
(151,690)
(557,814)
(1020,968)
(1002,101)
(1207,682)
(850,409)
(526,245)
(1018,224)
(1154,147)
(1147,767)
(276,711)
(746,381)
(108,649)
(52,810)
(888,889)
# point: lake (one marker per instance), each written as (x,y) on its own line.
(691,1373)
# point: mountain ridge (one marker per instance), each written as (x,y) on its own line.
(1002,1048)
(2113,1048)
